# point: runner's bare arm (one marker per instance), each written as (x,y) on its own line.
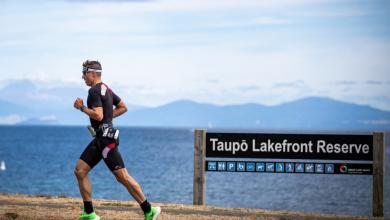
(119,109)
(94,113)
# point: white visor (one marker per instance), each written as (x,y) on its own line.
(94,70)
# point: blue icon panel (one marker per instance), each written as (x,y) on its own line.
(309,168)
(329,168)
(279,167)
(290,168)
(285,167)
(211,165)
(250,167)
(299,167)
(241,166)
(319,168)
(231,166)
(221,166)
(270,167)
(260,167)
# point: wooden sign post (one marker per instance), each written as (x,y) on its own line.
(378,171)
(199,168)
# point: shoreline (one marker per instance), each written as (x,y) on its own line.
(20,206)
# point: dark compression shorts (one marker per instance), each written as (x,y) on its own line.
(103,148)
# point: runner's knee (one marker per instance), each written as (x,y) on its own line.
(123,178)
(80,173)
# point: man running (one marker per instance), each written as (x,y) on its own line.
(99,109)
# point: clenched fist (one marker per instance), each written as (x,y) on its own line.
(78,103)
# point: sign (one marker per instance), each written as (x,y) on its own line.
(289,167)
(369,149)
(290,146)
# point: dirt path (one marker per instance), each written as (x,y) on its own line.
(50,207)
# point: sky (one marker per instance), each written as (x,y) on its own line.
(222,51)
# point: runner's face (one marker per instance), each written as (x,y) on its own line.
(89,78)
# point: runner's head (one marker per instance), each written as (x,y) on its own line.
(92,71)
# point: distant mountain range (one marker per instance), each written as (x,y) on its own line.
(313,113)
(54,106)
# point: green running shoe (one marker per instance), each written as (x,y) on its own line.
(152,215)
(90,216)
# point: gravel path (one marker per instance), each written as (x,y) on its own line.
(50,207)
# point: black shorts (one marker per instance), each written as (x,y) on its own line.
(103,148)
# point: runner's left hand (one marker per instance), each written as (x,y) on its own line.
(78,103)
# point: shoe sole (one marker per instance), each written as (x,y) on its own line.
(157,213)
(97,218)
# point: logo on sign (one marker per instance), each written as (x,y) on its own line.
(343,168)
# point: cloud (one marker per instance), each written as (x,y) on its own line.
(345,83)
(111,7)
(294,84)
(90,1)
(271,21)
(11,119)
(374,82)
(48,118)
(376,122)
(325,13)
(213,81)
(239,22)
(249,88)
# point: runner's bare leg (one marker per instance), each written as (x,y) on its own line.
(130,183)
(81,172)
